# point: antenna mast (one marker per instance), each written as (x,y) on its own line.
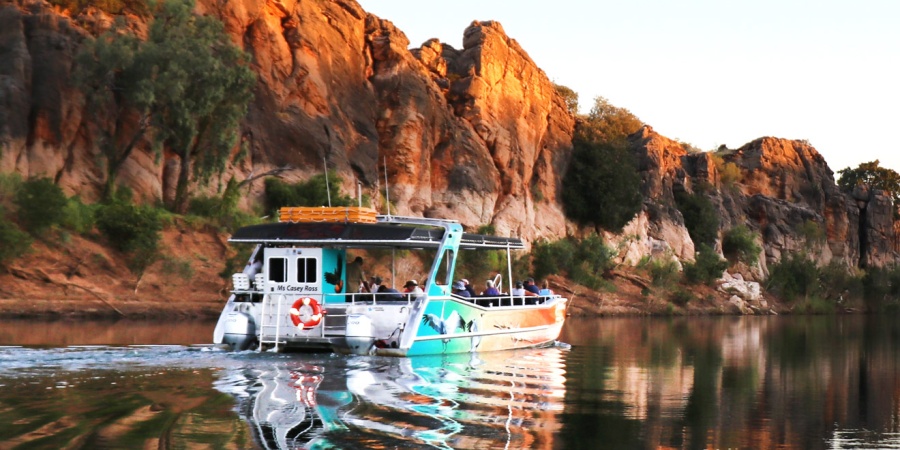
(387,188)
(327,187)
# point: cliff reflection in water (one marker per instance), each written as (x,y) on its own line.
(500,399)
(785,382)
(724,382)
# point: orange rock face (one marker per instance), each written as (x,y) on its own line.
(479,135)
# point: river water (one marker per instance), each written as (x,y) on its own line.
(725,382)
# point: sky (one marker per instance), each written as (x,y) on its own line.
(710,72)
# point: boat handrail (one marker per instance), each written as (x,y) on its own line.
(370,298)
(507,300)
(415,220)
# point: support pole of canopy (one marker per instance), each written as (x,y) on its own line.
(509,272)
(327,187)
(394,267)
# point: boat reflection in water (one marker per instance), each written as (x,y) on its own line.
(489,400)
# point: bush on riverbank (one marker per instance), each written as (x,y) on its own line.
(40,205)
(583,260)
(13,242)
(706,268)
(133,230)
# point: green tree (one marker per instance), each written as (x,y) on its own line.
(602,185)
(872,176)
(312,192)
(118,98)
(187,85)
(608,123)
(570,96)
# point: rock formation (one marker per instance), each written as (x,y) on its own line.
(478,134)
(786,193)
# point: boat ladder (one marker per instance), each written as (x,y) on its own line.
(263,326)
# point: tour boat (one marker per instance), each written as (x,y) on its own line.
(295,293)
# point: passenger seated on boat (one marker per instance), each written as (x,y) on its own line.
(412,289)
(531,287)
(386,293)
(490,290)
(374,283)
(459,289)
(469,288)
(519,290)
(545,289)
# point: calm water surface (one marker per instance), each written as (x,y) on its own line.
(775,382)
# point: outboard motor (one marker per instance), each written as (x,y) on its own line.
(359,334)
(240,331)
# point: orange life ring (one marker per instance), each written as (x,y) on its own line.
(313,319)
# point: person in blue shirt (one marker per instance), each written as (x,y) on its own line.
(459,289)
(545,289)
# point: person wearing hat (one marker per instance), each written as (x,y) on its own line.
(459,288)
(412,287)
(469,288)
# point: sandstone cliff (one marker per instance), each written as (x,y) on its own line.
(478,134)
(785,192)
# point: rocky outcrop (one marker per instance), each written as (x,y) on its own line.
(785,192)
(477,134)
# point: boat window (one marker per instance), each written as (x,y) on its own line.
(306,270)
(443,272)
(278,270)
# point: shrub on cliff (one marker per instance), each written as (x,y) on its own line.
(738,244)
(607,124)
(223,210)
(40,204)
(601,186)
(700,217)
(570,97)
(312,192)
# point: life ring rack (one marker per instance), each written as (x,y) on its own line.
(314,319)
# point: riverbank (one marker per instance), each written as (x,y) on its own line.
(626,295)
(76,277)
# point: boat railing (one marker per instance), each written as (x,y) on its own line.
(507,300)
(370,298)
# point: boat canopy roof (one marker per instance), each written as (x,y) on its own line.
(363,235)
